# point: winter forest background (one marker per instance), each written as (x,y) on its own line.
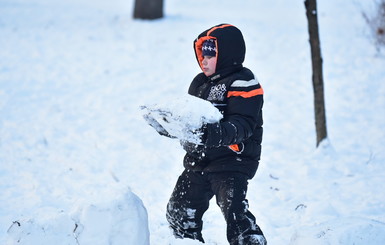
(78,164)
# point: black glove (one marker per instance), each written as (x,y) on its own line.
(194,150)
(211,135)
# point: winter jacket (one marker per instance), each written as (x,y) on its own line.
(233,144)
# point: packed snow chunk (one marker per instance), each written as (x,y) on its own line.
(343,231)
(181,117)
(121,221)
(49,226)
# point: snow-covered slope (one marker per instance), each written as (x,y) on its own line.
(74,147)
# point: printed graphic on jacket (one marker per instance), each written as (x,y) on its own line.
(217,93)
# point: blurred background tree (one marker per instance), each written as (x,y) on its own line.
(148,9)
(316,58)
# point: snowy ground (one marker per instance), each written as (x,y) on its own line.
(73,144)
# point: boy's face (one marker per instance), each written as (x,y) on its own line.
(209,64)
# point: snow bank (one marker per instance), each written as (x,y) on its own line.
(115,222)
(47,227)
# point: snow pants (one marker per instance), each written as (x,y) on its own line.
(190,199)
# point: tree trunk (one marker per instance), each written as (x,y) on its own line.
(318,87)
(148,9)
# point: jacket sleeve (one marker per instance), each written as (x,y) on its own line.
(242,115)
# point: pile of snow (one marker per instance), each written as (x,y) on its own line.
(115,222)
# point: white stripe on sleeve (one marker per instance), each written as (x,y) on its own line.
(242,83)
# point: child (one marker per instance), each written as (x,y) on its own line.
(231,149)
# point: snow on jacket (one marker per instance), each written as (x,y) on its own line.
(233,144)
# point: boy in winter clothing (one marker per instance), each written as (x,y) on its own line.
(231,148)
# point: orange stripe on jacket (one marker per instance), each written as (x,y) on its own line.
(244,94)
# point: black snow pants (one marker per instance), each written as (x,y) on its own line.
(190,199)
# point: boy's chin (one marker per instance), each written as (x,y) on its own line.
(208,73)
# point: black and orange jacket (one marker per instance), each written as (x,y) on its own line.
(233,144)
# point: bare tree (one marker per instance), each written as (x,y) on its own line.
(148,9)
(316,58)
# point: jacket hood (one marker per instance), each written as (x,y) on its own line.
(230,45)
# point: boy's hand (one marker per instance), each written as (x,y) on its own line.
(194,150)
(211,134)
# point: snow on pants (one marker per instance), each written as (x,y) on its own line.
(190,199)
